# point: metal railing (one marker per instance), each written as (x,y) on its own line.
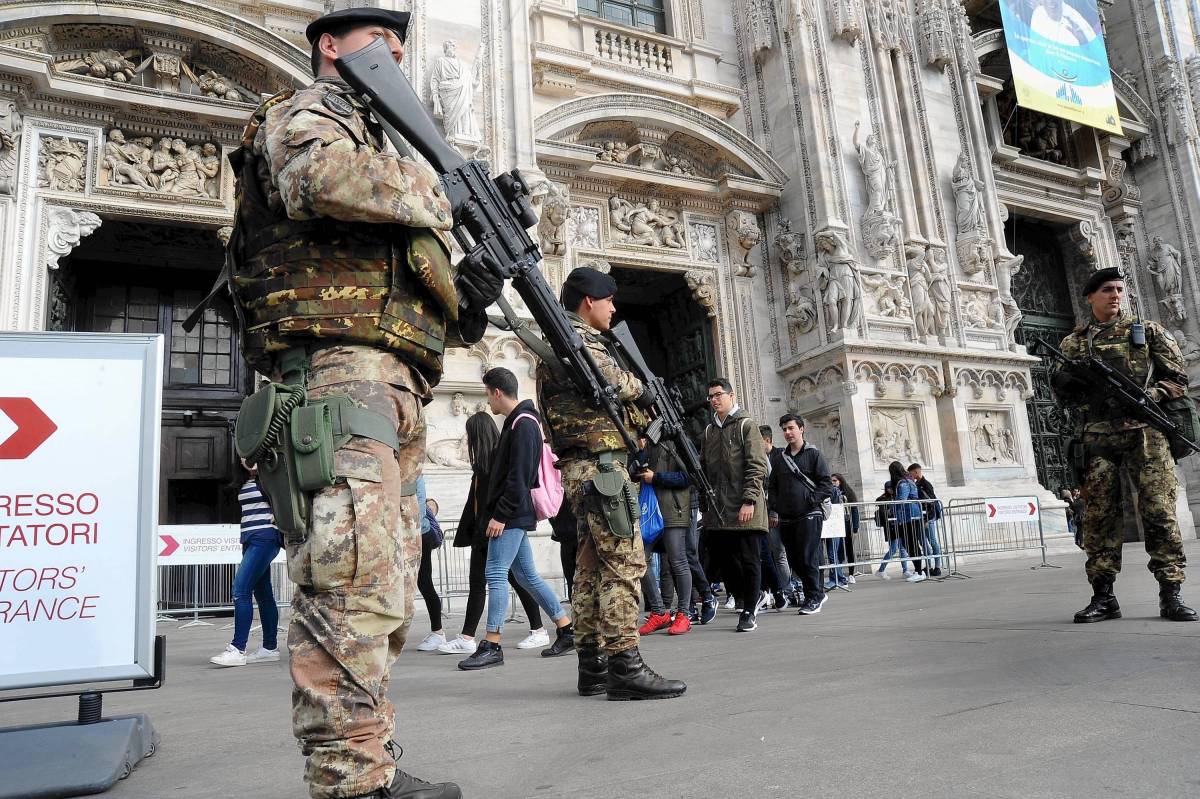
(974,530)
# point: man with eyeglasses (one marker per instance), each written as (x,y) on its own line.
(736,525)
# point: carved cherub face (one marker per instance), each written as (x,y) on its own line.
(116,137)
(449,48)
(209,149)
(178,146)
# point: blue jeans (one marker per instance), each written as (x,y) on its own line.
(512,551)
(251,583)
(895,545)
(835,550)
(933,547)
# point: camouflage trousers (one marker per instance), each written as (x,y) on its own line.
(356,576)
(1145,454)
(607,595)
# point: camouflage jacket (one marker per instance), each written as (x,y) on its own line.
(1158,367)
(338,240)
(575,425)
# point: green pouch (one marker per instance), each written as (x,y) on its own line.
(1182,412)
(254,421)
(311,433)
(614,499)
(261,437)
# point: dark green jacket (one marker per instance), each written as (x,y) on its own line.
(675,502)
(736,465)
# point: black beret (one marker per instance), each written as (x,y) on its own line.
(1100,277)
(394,20)
(591,282)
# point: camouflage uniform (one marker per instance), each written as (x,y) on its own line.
(1111,440)
(607,595)
(338,247)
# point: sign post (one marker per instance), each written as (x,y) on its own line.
(79,450)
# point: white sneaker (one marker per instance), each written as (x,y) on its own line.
(850,579)
(459,646)
(262,656)
(232,656)
(730,603)
(431,642)
(762,600)
(915,577)
(882,575)
(535,640)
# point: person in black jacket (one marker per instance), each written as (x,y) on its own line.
(799,481)
(932,511)
(510,514)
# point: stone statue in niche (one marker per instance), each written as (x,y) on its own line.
(1007,266)
(875,168)
(61,163)
(1164,264)
(744,231)
(938,269)
(552,226)
(10,139)
(453,84)
(967,193)
(646,225)
(919,279)
(801,311)
(838,279)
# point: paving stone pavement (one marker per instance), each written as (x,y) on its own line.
(962,688)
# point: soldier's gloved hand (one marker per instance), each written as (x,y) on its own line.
(477,283)
(644,401)
(1067,384)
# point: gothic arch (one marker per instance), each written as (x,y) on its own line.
(288,62)
(569,118)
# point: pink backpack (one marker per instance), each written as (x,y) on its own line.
(547,495)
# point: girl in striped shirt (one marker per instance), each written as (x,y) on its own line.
(261,542)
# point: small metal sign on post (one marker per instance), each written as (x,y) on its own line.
(79,454)
(1007,510)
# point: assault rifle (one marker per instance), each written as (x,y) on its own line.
(1119,389)
(491,218)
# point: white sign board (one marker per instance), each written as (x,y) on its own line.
(835,525)
(202,544)
(79,449)
(1005,510)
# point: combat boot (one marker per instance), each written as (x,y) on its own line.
(1170,604)
(630,678)
(593,669)
(1103,605)
(406,786)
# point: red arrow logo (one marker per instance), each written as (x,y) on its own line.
(33,428)
(991,510)
(1032,509)
(169,545)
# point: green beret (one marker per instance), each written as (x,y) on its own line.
(1100,277)
(393,20)
(591,283)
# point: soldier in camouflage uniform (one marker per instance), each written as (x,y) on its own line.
(1111,439)
(609,564)
(339,248)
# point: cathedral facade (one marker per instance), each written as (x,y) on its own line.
(837,204)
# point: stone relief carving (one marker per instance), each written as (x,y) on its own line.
(937,45)
(65,228)
(1189,348)
(884,18)
(845,19)
(450,452)
(583,227)
(967,197)
(907,377)
(879,228)
(919,277)
(552,225)
(1007,266)
(1164,263)
(224,233)
(645,224)
(835,445)
(1083,237)
(599,264)
(993,441)
(61,164)
(1172,92)
(452,84)
(704,291)
(979,309)
(894,435)
(617,152)
(10,140)
(838,280)
(974,255)
(762,37)
(885,296)
(104,64)
(744,232)
(979,380)
(459,405)
(211,84)
(705,243)
(168,166)
(819,386)
(801,311)
(1115,188)
(790,245)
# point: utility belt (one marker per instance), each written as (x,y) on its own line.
(611,494)
(292,440)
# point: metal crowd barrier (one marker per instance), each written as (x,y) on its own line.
(208,589)
(872,542)
(970,532)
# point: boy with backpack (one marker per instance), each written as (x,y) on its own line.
(520,492)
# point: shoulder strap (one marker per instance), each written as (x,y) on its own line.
(532,418)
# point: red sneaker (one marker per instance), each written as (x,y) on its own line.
(656,621)
(681,625)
